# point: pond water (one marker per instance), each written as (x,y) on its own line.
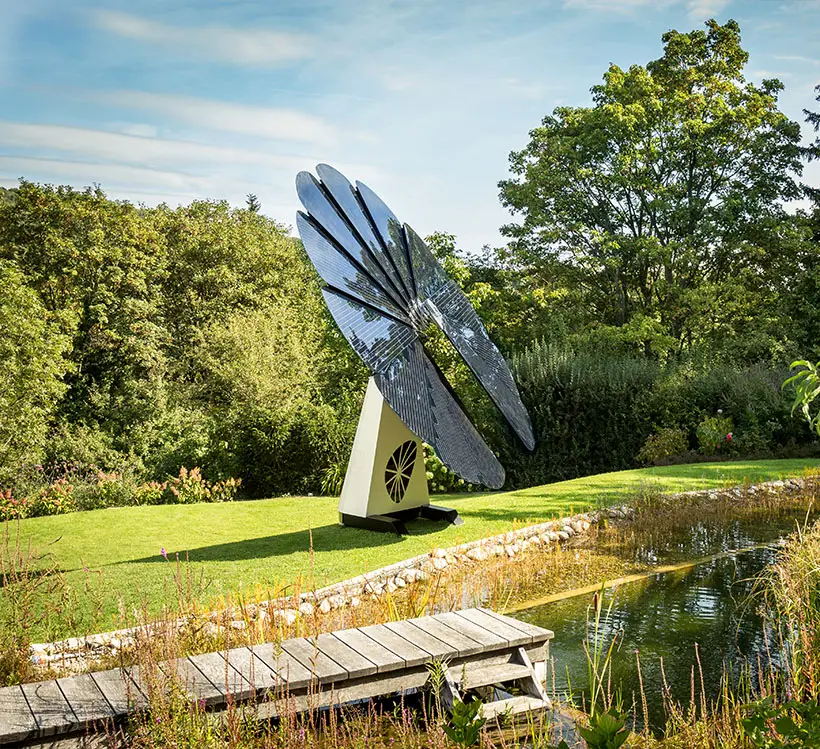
(709,606)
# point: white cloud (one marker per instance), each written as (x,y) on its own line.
(249,47)
(798,58)
(701,10)
(109,174)
(698,9)
(131,149)
(263,122)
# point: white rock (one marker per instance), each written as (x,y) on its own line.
(325,606)
(289,616)
(306,608)
(400,582)
(477,554)
(354,602)
(563,535)
(439,563)
(438,553)
(238,624)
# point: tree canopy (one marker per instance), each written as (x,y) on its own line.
(662,203)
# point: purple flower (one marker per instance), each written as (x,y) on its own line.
(163,553)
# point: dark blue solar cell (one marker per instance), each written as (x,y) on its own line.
(348,200)
(413,387)
(340,272)
(329,217)
(384,288)
(390,230)
(463,327)
(427,272)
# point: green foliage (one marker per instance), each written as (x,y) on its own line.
(788,725)
(806,385)
(31,351)
(189,486)
(594,413)
(54,499)
(667,442)
(465,723)
(660,206)
(715,435)
(606,730)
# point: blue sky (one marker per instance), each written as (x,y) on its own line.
(170,100)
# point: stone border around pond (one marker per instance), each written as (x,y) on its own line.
(74,653)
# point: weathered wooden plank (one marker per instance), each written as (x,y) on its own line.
(361,689)
(16,719)
(384,659)
(513,636)
(489,640)
(539,634)
(196,684)
(119,690)
(218,671)
(289,671)
(513,706)
(356,664)
(427,642)
(256,673)
(407,651)
(51,711)
(458,641)
(85,698)
(324,669)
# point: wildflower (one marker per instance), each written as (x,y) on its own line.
(163,553)
(729,437)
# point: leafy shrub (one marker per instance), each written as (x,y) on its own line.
(791,725)
(465,723)
(149,493)
(333,478)
(715,435)
(55,499)
(606,730)
(106,490)
(190,487)
(662,445)
(13,508)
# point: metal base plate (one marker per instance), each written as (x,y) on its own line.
(394,522)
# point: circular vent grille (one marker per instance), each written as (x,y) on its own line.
(399,469)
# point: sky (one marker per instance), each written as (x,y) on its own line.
(423,100)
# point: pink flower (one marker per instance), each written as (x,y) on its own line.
(729,437)
(163,553)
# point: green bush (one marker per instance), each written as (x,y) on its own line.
(13,508)
(593,414)
(54,499)
(715,435)
(667,442)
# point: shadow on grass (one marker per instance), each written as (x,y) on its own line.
(326,538)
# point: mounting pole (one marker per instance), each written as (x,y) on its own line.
(386,481)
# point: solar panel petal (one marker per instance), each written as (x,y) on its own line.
(384,286)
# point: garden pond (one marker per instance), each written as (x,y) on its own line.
(686,628)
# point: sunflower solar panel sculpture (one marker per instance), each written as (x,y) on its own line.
(384,288)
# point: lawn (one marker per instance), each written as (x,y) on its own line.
(112,556)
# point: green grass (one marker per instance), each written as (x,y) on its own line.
(256,546)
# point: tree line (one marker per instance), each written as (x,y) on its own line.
(651,255)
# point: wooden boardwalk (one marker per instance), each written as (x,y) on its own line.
(478,646)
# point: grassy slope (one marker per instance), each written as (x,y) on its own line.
(254,546)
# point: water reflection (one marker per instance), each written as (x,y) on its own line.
(703,620)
